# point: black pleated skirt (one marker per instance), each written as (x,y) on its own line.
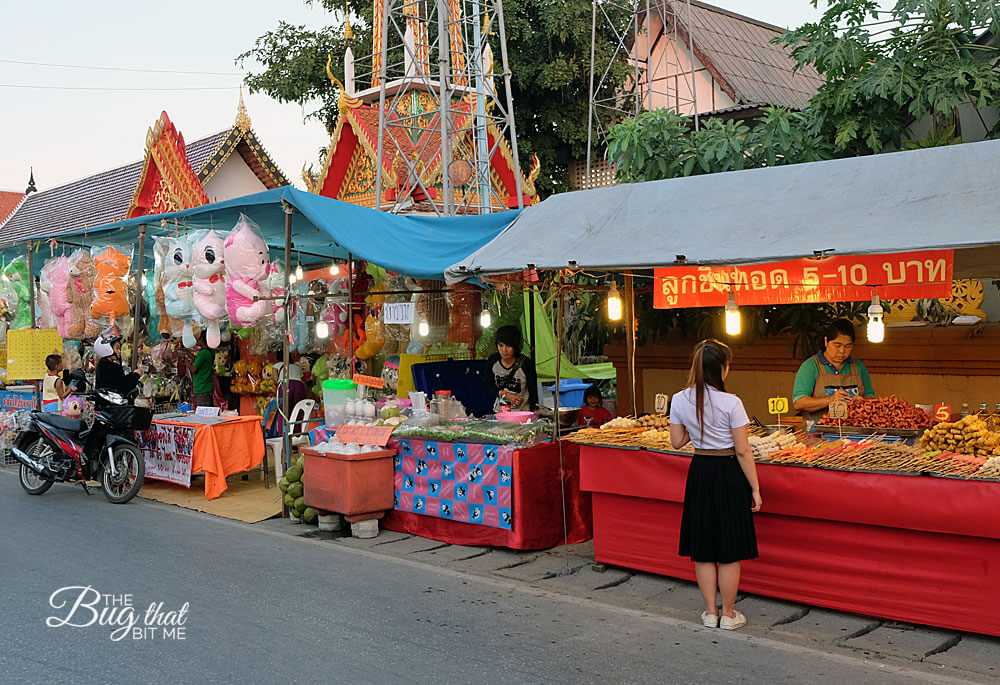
(717,524)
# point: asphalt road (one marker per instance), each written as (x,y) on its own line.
(268,607)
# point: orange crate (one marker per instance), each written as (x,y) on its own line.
(348,483)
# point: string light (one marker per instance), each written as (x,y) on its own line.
(614,303)
(485,319)
(322,329)
(299,275)
(732,316)
(876,326)
(424,329)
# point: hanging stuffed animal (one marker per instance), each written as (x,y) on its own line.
(209,284)
(56,274)
(178,288)
(43,292)
(152,308)
(165,325)
(300,325)
(246,255)
(110,285)
(276,286)
(314,311)
(374,339)
(16,273)
(80,294)
(269,378)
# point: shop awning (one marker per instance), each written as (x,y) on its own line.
(322,228)
(942,197)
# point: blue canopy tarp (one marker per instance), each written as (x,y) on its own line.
(322,229)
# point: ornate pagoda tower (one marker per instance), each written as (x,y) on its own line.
(432,129)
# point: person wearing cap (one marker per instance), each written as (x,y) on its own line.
(110,375)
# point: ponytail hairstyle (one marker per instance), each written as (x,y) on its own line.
(707,363)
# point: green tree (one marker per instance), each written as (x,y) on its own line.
(549,47)
(886,69)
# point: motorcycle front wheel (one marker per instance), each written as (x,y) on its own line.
(32,483)
(130,469)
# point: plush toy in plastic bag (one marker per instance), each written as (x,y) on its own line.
(209,283)
(16,274)
(43,292)
(275,285)
(110,284)
(178,287)
(390,374)
(246,259)
(149,294)
(269,377)
(55,276)
(165,325)
(80,294)
(300,327)
(319,373)
(374,339)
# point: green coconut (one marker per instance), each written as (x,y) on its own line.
(294,474)
(309,515)
(295,489)
(283,484)
(289,500)
(299,503)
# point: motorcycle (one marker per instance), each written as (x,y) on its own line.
(61,449)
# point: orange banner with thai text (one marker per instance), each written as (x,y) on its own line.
(843,278)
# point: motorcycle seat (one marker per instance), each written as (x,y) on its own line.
(61,422)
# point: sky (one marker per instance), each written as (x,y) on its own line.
(70,132)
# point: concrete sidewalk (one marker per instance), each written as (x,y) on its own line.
(571,571)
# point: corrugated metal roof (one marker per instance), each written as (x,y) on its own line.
(740,50)
(91,201)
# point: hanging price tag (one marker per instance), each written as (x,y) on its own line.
(662,402)
(369,381)
(364,435)
(777,405)
(398,312)
(838,410)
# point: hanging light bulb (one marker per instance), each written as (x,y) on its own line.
(334,269)
(732,316)
(876,326)
(291,279)
(298,273)
(614,303)
(424,329)
(144,280)
(322,329)
(485,319)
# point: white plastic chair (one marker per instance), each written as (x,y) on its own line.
(302,411)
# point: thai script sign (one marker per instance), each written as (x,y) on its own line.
(903,275)
(12,400)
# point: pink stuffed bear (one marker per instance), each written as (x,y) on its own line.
(57,271)
(208,266)
(246,268)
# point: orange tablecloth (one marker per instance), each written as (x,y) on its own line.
(225,448)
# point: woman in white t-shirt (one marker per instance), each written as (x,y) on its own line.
(717,529)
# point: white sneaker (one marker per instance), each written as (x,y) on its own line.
(709,620)
(737,621)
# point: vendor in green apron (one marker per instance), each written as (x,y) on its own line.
(831,374)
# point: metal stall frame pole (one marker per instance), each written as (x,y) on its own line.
(630,339)
(137,316)
(590,103)
(565,570)
(350,310)
(531,322)
(286,440)
(444,68)
(31,304)
(383,75)
(498,10)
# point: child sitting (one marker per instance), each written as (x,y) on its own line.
(592,413)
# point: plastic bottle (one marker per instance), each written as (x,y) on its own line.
(965,409)
(993,423)
(984,411)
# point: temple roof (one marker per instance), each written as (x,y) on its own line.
(106,196)
(9,200)
(357,127)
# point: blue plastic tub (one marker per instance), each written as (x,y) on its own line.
(570,391)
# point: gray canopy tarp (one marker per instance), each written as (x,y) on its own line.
(938,198)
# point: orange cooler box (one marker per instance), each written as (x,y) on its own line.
(349,484)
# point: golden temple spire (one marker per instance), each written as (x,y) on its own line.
(348,31)
(242,118)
